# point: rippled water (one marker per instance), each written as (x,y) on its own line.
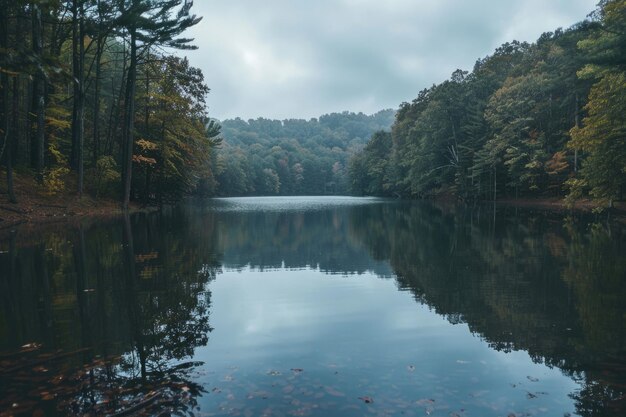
(316,306)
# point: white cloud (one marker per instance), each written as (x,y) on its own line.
(282,59)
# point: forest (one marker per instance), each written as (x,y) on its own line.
(529,121)
(295,156)
(94,100)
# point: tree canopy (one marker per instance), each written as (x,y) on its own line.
(536,120)
(92,100)
(294,156)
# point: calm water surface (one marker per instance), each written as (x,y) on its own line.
(316,307)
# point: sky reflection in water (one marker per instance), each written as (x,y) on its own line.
(358,336)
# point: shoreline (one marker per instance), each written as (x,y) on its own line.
(36,207)
(553,204)
(558,205)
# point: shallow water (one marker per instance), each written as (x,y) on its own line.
(317,306)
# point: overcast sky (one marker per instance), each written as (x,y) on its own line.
(303,58)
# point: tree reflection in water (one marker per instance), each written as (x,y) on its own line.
(117,313)
(541,283)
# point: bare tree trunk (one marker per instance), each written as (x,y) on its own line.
(577,123)
(39,100)
(113,125)
(81,102)
(147,127)
(96,103)
(75,85)
(16,120)
(129,121)
(4,121)
(495,183)
(9,161)
(78,109)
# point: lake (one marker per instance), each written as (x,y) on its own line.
(316,306)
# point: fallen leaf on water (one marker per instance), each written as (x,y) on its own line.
(31,346)
(367,400)
(334,392)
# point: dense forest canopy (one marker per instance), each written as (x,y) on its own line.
(295,156)
(91,99)
(540,119)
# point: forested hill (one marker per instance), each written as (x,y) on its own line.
(530,120)
(294,156)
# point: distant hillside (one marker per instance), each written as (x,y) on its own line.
(295,156)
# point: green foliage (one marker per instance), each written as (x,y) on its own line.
(522,123)
(604,139)
(176,155)
(74,88)
(374,179)
(270,182)
(54,179)
(307,157)
(603,135)
(106,176)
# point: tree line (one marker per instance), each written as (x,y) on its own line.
(530,120)
(93,99)
(294,156)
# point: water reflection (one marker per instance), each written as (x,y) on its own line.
(105,320)
(545,284)
(115,317)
